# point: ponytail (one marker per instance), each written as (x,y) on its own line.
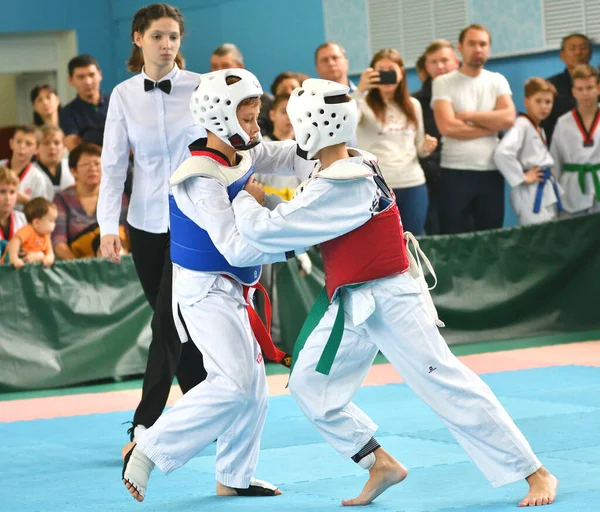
(136,60)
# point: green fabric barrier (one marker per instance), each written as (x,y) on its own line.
(493,285)
(75,322)
(85,320)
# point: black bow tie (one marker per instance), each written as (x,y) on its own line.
(164,86)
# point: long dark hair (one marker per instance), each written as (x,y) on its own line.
(141,21)
(35,92)
(401,96)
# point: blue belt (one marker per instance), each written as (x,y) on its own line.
(540,191)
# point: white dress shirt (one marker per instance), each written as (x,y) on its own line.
(158,128)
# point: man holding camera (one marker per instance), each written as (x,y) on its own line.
(471,105)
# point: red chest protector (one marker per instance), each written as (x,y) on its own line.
(375,250)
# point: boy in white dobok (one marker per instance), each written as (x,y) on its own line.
(214,271)
(576,145)
(373,300)
(523,158)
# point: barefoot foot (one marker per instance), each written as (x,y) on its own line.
(136,472)
(126,449)
(542,489)
(256,488)
(386,472)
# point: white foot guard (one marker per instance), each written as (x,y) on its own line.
(137,432)
(257,488)
(136,472)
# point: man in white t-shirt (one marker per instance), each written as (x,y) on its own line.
(471,105)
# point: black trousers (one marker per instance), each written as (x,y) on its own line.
(470,200)
(167,356)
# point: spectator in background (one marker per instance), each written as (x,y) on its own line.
(575,49)
(46,105)
(149,114)
(439,58)
(471,105)
(576,145)
(229,56)
(32,181)
(51,160)
(283,186)
(87,112)
(226,56)
(31,244)
(331,64)
(525,162)
(285,83)
(420,67)
(77,234)
(10,220)
(390,126)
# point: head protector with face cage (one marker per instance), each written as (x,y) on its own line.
(322,115)
(214,104)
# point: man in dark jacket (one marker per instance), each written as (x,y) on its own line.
(439,59)
(575,49)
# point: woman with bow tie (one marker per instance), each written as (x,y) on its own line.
(149,116)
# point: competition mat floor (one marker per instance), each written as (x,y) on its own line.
(60,451)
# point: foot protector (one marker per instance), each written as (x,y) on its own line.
(136,470)
(257,488)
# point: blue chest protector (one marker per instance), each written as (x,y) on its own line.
(192,247)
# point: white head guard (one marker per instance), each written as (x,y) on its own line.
(321,115)
(214,104)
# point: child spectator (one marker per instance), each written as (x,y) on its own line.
(51,158)
(524,160)
(575,149)
(285,83)
(10,220)
(32,182)
(31,244)
(46,104)
(283,186)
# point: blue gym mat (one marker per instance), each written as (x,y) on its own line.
(73,464)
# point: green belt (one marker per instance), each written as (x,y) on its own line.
(582,169)
(315,315)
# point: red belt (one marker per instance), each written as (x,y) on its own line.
(262,333)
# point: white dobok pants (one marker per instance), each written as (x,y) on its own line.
(391,315)
(230,405)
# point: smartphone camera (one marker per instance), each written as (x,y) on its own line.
(387,77)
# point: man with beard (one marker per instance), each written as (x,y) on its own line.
(471,105)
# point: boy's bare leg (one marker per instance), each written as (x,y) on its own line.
(542,489)
(386,472)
